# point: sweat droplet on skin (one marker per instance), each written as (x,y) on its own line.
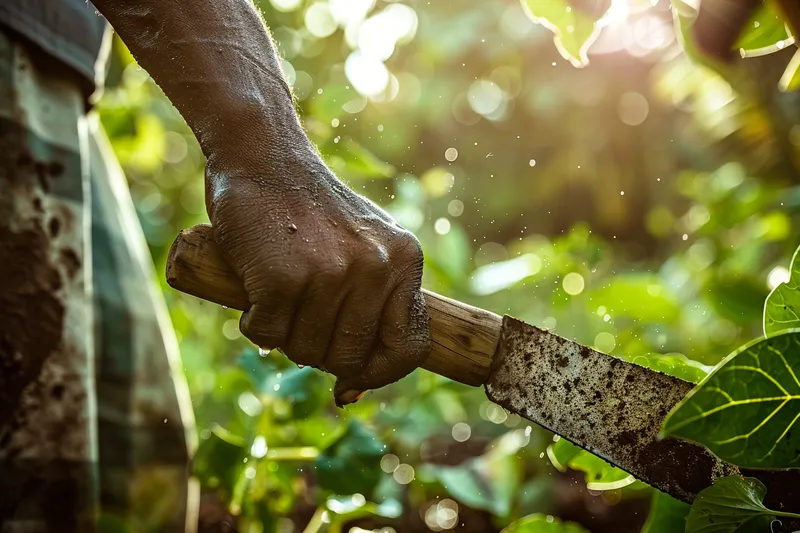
(292,228)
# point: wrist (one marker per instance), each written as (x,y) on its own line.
(255,131)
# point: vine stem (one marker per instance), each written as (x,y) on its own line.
(300,453)
(316,522)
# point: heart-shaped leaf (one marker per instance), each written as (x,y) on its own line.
(746,409)
(732,505)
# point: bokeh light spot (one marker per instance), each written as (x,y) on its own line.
(404,474)
(319,20)
(633,108)
(777,275)
(461,432)
(455,208)
(604,342)
(573,283)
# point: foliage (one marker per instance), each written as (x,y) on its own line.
(745,410)
(352,463)
(574,30)
(599,474)
(542,524)
(667,514)
(732,505)
(669,188)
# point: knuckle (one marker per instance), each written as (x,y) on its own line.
(270,284)
(327,273)
(374,261)
(407,249)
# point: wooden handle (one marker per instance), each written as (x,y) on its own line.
(464,338)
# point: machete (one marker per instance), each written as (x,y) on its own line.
(603,404)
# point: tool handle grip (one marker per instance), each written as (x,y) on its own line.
(464,338)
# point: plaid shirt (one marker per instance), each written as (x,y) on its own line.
(96,429)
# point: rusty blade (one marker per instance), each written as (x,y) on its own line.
(612,408)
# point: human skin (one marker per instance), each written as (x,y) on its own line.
(333,281)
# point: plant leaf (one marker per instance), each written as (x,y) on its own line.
(731,505)
(352,463)
(762,31)
(675,364)
(541,523)
(667,514)
(599,474)
(746,409)
(782,308)
(488,482)
(574,30)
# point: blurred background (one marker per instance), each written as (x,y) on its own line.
(644,204)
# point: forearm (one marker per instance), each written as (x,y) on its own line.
(216,62)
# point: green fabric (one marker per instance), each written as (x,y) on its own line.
(134,416)
(70,31)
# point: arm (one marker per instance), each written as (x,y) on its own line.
(332,280)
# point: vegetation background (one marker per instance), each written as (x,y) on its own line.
(644,205)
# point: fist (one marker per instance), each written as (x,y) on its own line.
(332,279)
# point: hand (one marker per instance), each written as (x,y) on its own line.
(333,281)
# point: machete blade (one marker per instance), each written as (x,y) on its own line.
(605,405)
(614,409)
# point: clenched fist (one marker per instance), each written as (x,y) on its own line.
(333,281)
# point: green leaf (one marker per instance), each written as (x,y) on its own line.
(352,463)
(488,482)
(736,298)
(301,387)
(638,296)
(561,453)
(541,523)
(667,515)
(746,409)
(599,474)
(258,369)
(762,32)
(732,505)
(782,308)
(219,458)
(790,81)
(574,30)
(677,365)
